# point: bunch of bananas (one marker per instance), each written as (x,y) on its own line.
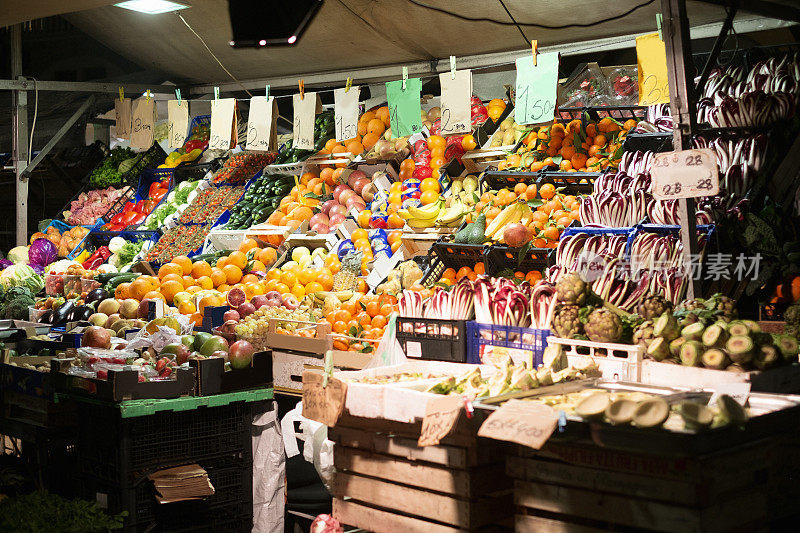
(422,217)
(515,212)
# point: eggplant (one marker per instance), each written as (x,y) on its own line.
(47,317)
(82,312)
(96,295)
(63,314)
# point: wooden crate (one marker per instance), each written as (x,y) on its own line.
(583,487)
(386,483)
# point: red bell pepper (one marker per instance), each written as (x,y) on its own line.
(194,145)
(97,258)
(157,194)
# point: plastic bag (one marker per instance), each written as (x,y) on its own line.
(318,449)
(389,351)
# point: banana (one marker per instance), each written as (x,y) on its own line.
(527,215)
(455,211)
(424,213)
(509,215)
(343,296)
(421,223)
(455,223)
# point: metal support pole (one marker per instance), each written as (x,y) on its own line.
(57,136)
(675,29)
(718,42)
(20,135)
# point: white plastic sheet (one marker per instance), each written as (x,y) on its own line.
(269,473)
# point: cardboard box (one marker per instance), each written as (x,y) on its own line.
(288,367)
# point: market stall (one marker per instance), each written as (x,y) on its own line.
(568,306)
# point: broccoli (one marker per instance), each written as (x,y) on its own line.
(15,303)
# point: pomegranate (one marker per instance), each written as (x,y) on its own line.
(96,337)
(240,354)
(231,314)
(516,235)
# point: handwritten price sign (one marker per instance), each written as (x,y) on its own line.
(525,423)
(144,116)
(323,404)
(651,59)
(456,93)
(685,174)
(178,115)
(404,107)
(440,417)
(536,88)
(345,112)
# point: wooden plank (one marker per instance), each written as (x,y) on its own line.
(446,509)
(699,492)
(466,483)
(379,521)
(538,524)
(451,456)
(747,507)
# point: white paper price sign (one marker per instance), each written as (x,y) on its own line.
(536,88)
(685,174)
(304,111)
(144,117)
(345,112)
(178,118)
(262,134)
(223,123)
(456,94)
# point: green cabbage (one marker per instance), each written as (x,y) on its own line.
(18,255)
(20,275)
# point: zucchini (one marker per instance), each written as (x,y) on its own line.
(124,277)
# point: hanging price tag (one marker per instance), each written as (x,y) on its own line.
(440,417)
(685,174)
(456,109)
(323,403)
(526,423)
(262,132)
(122,115)
(223,124)
(404,107)
(178,119)
(651,58)
(536,88)
(144,117)
(304,111)
(345,112)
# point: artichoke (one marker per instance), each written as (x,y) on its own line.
(566,321)
(643,334)
(571,289)
(727,307)
(603,326)
(692,305)
(791,329)
(792,315)
(653,307)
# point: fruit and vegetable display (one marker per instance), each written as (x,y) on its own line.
(109,173)
(175,202)
(324,130)
(134,213)
(259,201)
(89,206)
(64,241)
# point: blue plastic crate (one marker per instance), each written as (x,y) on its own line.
(525,343)
(199,120)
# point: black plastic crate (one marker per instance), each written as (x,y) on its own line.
(569,182)
(494,180)
(444,255)
(196,171)
(656,142)
(120,450)
(230,508)
(433,339)
(619,113)
(500,257)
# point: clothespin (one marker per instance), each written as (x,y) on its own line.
(302,85)
(216,93)
(659,21)
(147,94)
(328,367)
(348,84)
(267,92)
(178,95)
(121,94)
(452,67)
(405,77)
(534,50)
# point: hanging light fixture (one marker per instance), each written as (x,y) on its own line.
(261,23)
(151,7)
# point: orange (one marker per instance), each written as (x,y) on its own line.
(173,277)
(253,288)
(249,278)
(233,274)
(468,142)
(463,272)
(436,141)
(169,289)
(355,147)
(218,277)
(547,191)
(306,276)
(238,259)
(480,269)
(407,165)
(364,218)
(313,287)
(382,113)
(257,266)
(298,291)
(358,234)
(340,326)
(379,321)
(122,292)
(205,282)
(271,285)
(184,262)
(186,307)
(267,256)
(449,273)
(369,139)
(192,289)
(201,268)
(565,165)
(188,281)
(300,213)
(429,184)
(169,268)
(437,162)
(395,221)
(138,288)
(331,144)
(289,278)
(428,197)
(629,124)
(209,300)
(154,295)
(274,274)
(326,280)
(376,126)
(247,245)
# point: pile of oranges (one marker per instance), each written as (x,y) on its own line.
(371,127)
(450,276)
(364,317)
(296,207)
(571,147)
(554,211)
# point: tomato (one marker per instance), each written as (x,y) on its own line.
(194,145)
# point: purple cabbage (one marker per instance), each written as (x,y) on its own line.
(42,252)
(5,263)
(39,269)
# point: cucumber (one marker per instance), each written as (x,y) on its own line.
(124,277)
(105,278)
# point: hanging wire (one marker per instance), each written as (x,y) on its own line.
(527,41)
(212,54)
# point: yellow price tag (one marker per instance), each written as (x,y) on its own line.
(651,58)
